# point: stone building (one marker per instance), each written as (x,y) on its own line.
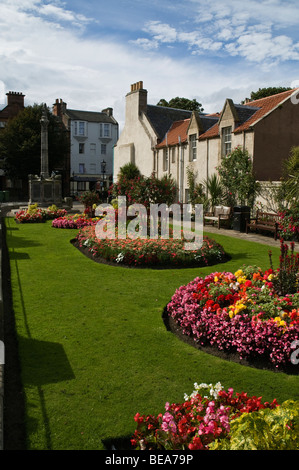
(92,138)
(267,128)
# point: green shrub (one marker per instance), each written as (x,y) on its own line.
(266,429)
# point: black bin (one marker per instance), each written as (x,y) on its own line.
(240,215)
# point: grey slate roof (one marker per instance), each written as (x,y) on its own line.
(245,112)
(90,116)
(162,118)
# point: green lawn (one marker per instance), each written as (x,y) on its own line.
(93,346)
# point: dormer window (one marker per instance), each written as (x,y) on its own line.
(165,159)
(193,149)
(226,141)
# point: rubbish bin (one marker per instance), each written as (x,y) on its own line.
(240,215)
(6,196)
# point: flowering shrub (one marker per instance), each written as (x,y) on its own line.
(34,214)
(203,417)
(150,252)
(30,216)
(239,312)
(145,190)
(76,221)
(289,223)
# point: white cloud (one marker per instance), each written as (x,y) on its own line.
(162,32)
(45,57)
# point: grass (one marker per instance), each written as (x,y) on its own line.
(92,345)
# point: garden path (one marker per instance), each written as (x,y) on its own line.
(254,237)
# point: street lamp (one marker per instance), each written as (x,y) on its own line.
(103,167)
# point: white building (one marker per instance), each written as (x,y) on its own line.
(93,136)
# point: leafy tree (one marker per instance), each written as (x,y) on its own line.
(236,176)
(264,92)
(182,103)
(20,143)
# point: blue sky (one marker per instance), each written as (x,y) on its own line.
(88,53)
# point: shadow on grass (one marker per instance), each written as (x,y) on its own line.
(118,443)
(15,255)
(46,362)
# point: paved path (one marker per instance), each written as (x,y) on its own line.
(252,237)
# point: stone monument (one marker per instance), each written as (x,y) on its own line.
(43,189)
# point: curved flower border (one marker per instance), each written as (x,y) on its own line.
(203,417)
(240,313)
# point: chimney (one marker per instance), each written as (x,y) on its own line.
(108,111)
(136,100)
(247,100)
(15,99)
(59,108)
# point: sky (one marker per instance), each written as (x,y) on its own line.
(89,53)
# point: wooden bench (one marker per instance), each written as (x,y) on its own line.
(264,221)
(220,213)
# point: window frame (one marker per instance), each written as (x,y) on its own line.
(226,143)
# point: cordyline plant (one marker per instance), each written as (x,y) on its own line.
(286,281)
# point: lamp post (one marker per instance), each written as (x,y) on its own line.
(103,175)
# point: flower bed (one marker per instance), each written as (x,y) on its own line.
(150,252)
(289,224)
(75,221)
(34,214)
(239,313)
(204,418)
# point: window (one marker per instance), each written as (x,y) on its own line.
(105,130)
(173,155)
(103,149)
(81,186)
(80,128)
(81,168)
(93,149)
(226,140)
(92,168)
(165,159)
(81,148)
(193,141)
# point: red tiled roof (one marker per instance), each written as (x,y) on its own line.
(265,104)
(178,129)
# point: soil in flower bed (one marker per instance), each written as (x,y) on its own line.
(98,259)
(258,363)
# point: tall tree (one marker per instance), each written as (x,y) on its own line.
(20,143)
(182,103)
(264,92)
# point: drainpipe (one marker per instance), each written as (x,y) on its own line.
(181,171)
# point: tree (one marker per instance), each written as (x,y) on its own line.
(264,92)
(20,143)
(236,176)
(182,103)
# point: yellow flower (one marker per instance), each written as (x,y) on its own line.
(241,279)
(280,322)
(239,273)
(216,279)
(270,277)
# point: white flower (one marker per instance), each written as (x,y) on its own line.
(119,258)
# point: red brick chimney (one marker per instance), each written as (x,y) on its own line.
(15,99)
(59,108)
